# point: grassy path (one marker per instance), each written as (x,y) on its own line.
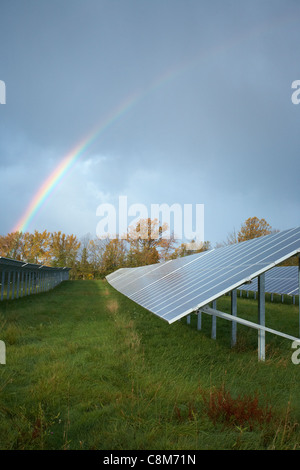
(88,369)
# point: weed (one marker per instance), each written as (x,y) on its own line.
(242,412)
(185,412)
(285,429)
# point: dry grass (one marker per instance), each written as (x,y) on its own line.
(112,306)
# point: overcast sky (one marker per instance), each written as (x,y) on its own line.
(212,123)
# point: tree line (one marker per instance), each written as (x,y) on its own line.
(147,242)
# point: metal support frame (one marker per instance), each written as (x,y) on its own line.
(261,317)
(18,276)
(19,279)
(8,284)
(13,285)
(260,326)
(256,326)
(214,322)
(2,283)
(199,320)
(234,314)
(299,290)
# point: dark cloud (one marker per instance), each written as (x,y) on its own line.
(213,124)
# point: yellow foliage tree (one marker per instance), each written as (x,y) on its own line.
(114,256)
(183,250)
(63,249)
(11,245)
(36,247)
(253,228)
(53,249)
(146,239)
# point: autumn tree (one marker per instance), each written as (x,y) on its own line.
(184,250)
(11,245)
(167,247)
(114,256)
(64,249)
(36,247)
(147,241)
(97,248)
(29,247)
(84,268)
(232,238)
(253,228)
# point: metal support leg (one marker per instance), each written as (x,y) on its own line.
(2,284)
(18,284)
(29,283)
(199,318)
(261,317)
(22,283)
(13,285)
(234,313)
(188,319)
(299,291)
(8,285)
(214,322)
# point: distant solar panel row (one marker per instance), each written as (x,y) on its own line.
(279,280)
(178,287)
(7,264)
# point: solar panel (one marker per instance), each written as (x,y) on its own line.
(279,280)
(7,264)
(175,288)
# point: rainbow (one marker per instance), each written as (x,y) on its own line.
(73,156)
(68,162)
(48,186)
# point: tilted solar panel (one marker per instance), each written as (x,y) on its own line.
(279,280)
(175,288)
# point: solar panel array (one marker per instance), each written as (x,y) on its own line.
(173,289)
(279,280)
(12,264)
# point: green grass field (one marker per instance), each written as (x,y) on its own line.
(88,369)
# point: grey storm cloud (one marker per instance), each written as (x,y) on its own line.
(213,121)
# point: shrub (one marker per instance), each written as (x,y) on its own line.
(241,411)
